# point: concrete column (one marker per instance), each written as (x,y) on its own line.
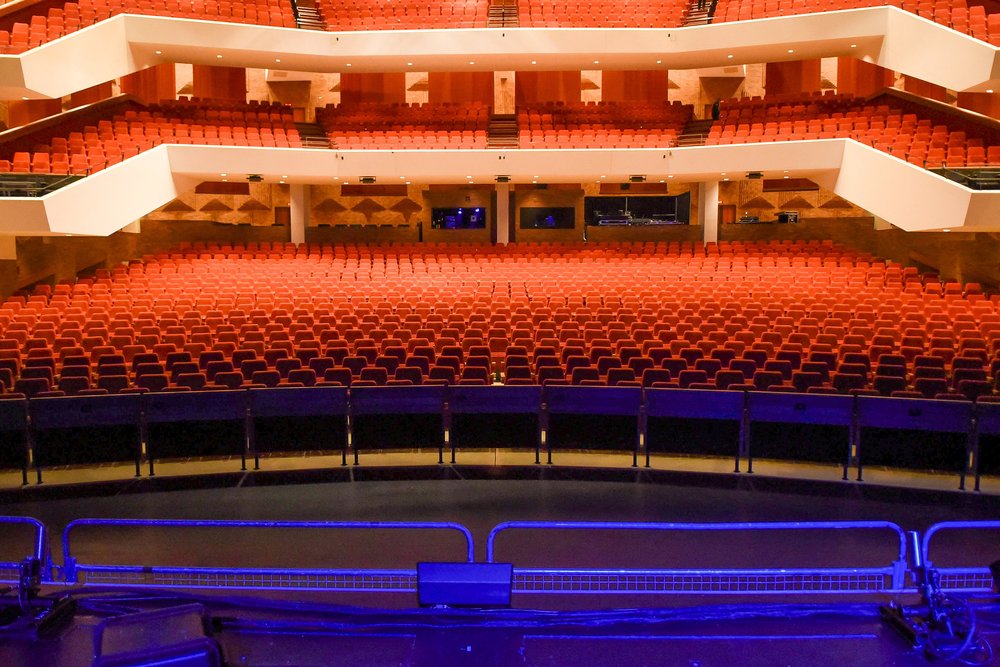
(299,212)
(708,211)
(503,213)
(8,247)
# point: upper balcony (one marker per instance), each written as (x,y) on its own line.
(65,61)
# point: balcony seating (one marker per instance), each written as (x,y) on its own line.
(916,140)
(90,148)
(403,14)
(601,14)
(602,125)
(413,126)
(16,36)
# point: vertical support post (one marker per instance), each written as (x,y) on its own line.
(445,433)
(299,212)
(29,438)
(643,430)
(249,433)
(708,211)
(971,466)
(743,439)
(29,451)
(543,432)
(144,432)
(503,213)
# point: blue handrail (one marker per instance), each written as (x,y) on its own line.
(40,541)
(72,567)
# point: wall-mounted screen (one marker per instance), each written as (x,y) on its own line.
(458,218)
(548,218)
(638,210)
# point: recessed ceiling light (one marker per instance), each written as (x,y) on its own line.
(348,65)
(468,176)
(670,176)
(223,174)
(534,62)
(603,176)
(723,174)
(219,55)
(786,171)
(597,62)
(472,62)
(661,180)
(730,56)
(407,182)
(791,50)
(784,177)
(284,176)
(25,98)
(159,53)
(409,64)
(534,181)
(989,90)
(945,230)
(336,178)
(282,182)
(659,62)
(402,177)
(854,46)
(725,179)
(277,60)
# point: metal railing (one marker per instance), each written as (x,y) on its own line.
(250,578)
(32,418)
(889,578)
(965,579)
(899,575)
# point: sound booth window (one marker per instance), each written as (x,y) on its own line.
(458,218)
(638,210)
(548,217)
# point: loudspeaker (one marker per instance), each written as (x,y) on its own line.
(464,584)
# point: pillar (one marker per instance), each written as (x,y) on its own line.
(385,88)
(152,84)
(8,246)
(460,87)
(299,212)
(534,87)
(708,211)
(861,78)
(629,86)
(987,104)
(220,83)
(503,213)
(91,95)
(920,87)
(22,112)
(798,76)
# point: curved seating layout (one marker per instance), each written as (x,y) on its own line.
(782,316)
(603,125)
(18,34)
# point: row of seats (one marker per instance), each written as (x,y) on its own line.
(16,36)
(403,14)
(602,125)
(920,141)
(374,125)
(778,316)
(91,148)
(960,15)
(602,13)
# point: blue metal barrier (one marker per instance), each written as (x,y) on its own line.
(700,404)
(14,418)
(311,579)
(914,414)
(964,579)
(87,412)
(493,399)
(296,402)
(414,400)
(9,569)
(890,578)
(605,401)
(192,406)
(820,409)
